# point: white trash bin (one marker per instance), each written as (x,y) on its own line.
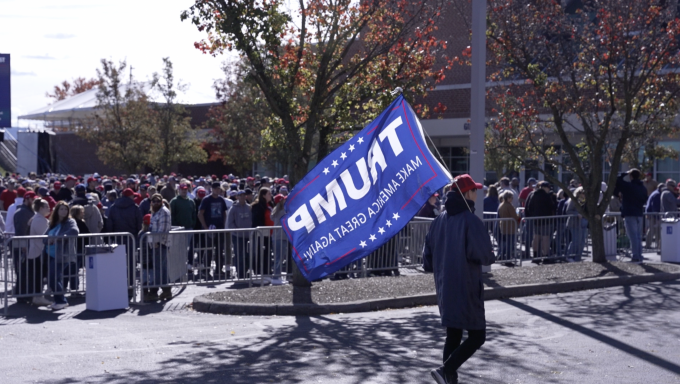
(106,275)
(610,232)
(670,240)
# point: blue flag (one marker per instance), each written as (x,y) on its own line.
(362,194)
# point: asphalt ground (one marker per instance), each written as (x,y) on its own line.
(614,335)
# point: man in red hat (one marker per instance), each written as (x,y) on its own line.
(8,196)
(124,216)
(456,247)
(65,193)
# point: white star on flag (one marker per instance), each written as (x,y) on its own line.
(395,216)
(343,156)
(335,163)
(361,140)
(351,148)
(381,230)
(388,223)
(372,237)
(362,244)
(325,171)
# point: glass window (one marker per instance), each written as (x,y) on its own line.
(668,168)
(457,159)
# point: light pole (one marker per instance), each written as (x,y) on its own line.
(478,97)
(478,101)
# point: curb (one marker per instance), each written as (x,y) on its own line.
(203,304)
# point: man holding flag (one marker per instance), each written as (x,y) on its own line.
(456,247)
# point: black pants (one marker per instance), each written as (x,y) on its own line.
(455,353)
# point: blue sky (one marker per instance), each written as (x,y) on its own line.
(52,41)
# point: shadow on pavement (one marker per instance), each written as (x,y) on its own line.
(632,313)
(396,347)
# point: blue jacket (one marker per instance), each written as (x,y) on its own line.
(491,204)
(65,249)
(654,202)
(124,216)
(456,247)
(634,196)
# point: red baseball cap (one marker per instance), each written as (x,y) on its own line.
(90,179)
(21,191)
(465,183)
(250,178)
(278,198)
(57,185)
(70,178)
(201,192)
(128,192)
(29,195)
(147,219)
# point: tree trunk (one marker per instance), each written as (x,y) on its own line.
(597,238)
(302,288)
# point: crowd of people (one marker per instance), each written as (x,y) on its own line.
(66,206)
(558,231)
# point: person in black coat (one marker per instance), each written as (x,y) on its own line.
(456,247)
(633,194)
(541,204)
(125,216)
(260,211)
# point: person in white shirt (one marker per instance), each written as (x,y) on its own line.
(35,263)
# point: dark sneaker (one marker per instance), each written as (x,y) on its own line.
(150,295)
(166,294)
(438,376)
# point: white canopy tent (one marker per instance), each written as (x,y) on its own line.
(83,105)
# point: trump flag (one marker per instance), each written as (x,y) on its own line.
(362,194)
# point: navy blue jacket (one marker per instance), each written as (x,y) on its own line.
(456,247)
(491,204)
(654,202)
(124,216)
(634,196)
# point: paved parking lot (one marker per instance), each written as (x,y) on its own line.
(616,335)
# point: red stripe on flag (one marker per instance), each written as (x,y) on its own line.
(293,245)
(303,188)
(341,257)
(421,152)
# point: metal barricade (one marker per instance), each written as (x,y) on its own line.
(652,231)
(504,234)
(553,238)
(32,262)
(182,257)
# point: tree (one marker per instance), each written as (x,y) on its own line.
(236,125)
(587,85)
(175,140)
(66,89)
(123,127)
(326,68)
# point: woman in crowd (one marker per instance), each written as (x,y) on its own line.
(261,214)
(577,226)
(78,214)
(61,252)
(491,201)
(562,237)
(36,263)
(279,239)
(508,229)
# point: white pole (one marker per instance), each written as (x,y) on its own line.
(477,101)
(478,97)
